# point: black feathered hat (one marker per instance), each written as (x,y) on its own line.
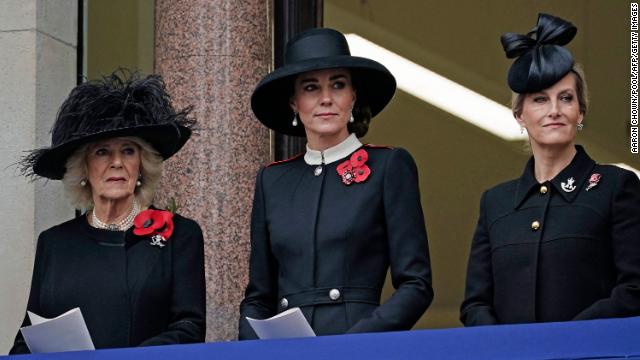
(318,49)
(541,58)
(121,104)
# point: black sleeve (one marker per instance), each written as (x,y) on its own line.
(625,243)
(408,249)
(477,308)
(33,305)
(260,297)
(188,308)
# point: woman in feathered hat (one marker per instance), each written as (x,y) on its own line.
(329,223)
(561,242)
(136,272)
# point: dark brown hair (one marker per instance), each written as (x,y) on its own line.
(361,110)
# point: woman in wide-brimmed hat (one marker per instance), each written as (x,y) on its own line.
(135,272)
(328,224)
(562,241)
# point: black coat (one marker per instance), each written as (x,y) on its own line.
(581,260)
(130,292)
(311,234)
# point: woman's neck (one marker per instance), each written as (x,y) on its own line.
(322,143)
(550,161)
(111,211)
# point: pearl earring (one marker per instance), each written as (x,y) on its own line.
(351,119)
(295,119)
(83,183)
(139,181)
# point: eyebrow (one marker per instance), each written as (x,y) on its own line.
(106,144)
(544,92)
(334,77)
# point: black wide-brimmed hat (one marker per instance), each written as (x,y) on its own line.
(318,49)
(541,58)
(118,105)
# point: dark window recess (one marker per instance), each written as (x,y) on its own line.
(290,18)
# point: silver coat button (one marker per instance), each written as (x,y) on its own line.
(334,294)
(284,303)
(535,225)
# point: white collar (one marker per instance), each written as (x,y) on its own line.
(340,151)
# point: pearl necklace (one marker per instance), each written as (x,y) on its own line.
(122,225)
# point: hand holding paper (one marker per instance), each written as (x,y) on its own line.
(287,324)
(67,332)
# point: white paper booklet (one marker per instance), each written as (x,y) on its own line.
(67,332)
(288,324)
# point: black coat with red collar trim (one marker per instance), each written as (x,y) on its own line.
(314,234)
(130,292)
(567,249)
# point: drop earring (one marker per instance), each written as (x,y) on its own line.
(521,130)
(139,181)
(295,119)
(351,119)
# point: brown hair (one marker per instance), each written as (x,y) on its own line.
(517,99)
(361,110)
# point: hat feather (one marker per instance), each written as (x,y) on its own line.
(119,101)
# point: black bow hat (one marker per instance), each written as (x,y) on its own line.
(318,49)
(114,106)
(541,58)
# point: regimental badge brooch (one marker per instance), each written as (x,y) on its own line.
(593,181)
(568,186)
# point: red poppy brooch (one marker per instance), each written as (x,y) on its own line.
(355,168)
(594,180)
(157,224)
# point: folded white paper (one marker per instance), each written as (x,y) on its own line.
(288,324)
(67,332)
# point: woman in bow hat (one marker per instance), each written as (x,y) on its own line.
(135,272)
(327,224)
(561,242)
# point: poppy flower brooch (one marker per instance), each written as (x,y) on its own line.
(593,181)
(354,169)
(157,224)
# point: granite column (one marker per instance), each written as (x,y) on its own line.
(211,54)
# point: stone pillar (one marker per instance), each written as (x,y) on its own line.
(38,62)
(212,53)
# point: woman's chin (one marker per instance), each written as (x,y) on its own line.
(558,140)
(116,195)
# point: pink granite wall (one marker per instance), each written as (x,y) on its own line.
(212,53)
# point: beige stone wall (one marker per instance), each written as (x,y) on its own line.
(38,62)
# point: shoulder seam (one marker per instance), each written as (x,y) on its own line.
(372,146)
(285,160)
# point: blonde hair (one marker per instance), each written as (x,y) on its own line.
(151,167)
(517,100)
